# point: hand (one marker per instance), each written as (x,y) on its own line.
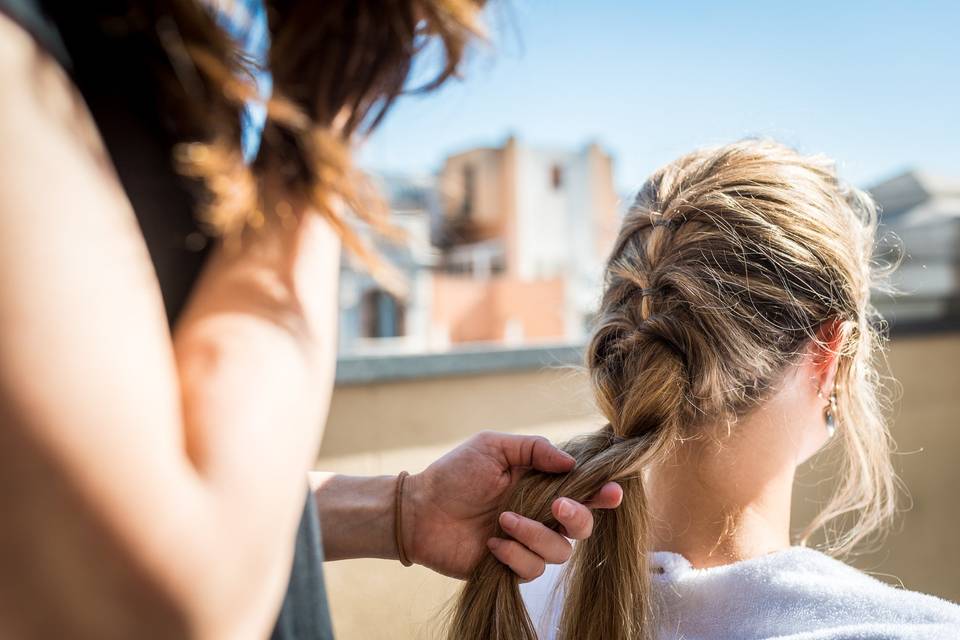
(451,508)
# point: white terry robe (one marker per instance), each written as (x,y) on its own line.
(794,594)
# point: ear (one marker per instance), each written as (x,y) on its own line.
(826,353)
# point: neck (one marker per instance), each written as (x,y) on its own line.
(720,500)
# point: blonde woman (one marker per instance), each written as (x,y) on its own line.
(735,339)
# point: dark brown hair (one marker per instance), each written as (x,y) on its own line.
(337,67)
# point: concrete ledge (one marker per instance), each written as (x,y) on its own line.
(490,358)
(472,360)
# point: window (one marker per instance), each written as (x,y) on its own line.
(382,315)
(556,176)
(469,190)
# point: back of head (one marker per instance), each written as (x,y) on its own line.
(727,265)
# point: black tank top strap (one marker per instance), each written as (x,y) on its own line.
(28,14)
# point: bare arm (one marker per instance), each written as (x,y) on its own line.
(149,484)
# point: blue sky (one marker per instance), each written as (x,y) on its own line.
(874,84)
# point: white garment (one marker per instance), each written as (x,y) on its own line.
(794,594)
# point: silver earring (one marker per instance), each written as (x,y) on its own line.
(830,415)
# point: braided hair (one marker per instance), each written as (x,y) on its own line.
(726,265)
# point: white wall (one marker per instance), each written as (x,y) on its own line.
(556,228)
(542,226)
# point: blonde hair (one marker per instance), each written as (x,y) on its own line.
(726,266)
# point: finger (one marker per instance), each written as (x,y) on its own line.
(609,497)
(552,547)
(575,518)
(533,451)
(521,560)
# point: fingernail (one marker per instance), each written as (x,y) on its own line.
(509,520)
(564,509)
(569,457)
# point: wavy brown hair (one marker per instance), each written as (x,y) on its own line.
(725,269)
(337,67)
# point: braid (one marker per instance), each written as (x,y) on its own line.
(490,606)
(727,263)
(637,359)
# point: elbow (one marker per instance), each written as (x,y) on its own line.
(198,584)
(223,590)
(202,612)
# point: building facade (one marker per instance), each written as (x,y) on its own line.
(524,234)
(505,245)
(371,318)
(920,227)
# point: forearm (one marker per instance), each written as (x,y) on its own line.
(253,408)
(256,355)
(356,515)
